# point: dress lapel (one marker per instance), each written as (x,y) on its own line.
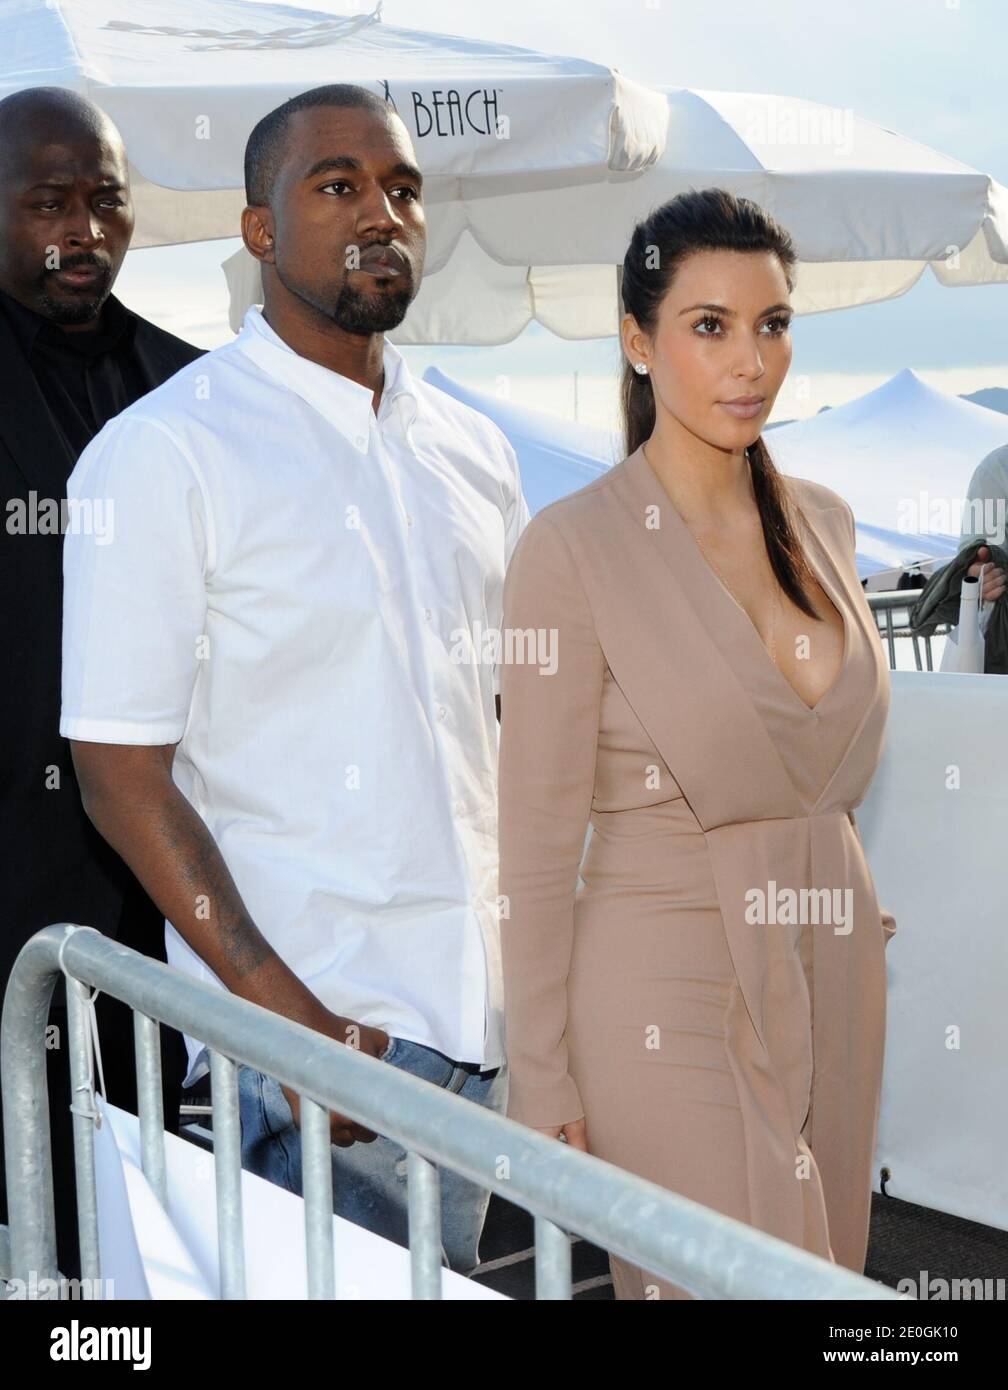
(676,657)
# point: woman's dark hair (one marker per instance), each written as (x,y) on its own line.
(710,219)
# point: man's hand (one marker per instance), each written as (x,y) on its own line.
(343,1131)
(575,1132)
(994,578)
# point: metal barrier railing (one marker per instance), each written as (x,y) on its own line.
(565,1190)
(886,605)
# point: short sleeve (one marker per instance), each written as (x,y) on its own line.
(551,683)
(516,518)
(136,553)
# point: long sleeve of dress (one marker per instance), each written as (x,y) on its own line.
(888,920)
(550,697)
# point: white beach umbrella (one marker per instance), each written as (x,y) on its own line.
(869,209)
(536,167)
(186,80)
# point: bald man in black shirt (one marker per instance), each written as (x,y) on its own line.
(71,357)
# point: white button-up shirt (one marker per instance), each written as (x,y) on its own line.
(298,593)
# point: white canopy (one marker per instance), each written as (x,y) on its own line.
(536,167)
(186,80)
(878,452)
(869,211)
(902,455)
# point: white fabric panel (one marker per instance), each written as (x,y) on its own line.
(177,1250)
(936,846)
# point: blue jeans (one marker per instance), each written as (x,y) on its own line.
(369,1180)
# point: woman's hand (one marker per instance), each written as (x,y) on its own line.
(575,1133)
(994,578)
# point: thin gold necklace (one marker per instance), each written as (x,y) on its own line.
(731,591)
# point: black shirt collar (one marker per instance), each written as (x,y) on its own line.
(116,325)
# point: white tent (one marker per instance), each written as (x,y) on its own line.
(902,456)
(559,456)
(186,80)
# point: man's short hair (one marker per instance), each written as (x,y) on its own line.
(265,150)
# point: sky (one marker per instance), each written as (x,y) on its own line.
(933,70)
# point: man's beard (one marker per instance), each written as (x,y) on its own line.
(363,313)
(355,312)
(79,309)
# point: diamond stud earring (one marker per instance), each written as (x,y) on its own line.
(640,368)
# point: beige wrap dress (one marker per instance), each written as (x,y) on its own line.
(729,1053)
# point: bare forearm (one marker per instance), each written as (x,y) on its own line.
(174,856)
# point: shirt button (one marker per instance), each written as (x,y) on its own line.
(409,519)
(361,441)
(442,713)
(427,614)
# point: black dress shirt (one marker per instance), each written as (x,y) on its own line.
(86,376)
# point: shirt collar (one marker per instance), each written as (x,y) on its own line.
(344,403)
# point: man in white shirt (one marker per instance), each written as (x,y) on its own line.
(275,716)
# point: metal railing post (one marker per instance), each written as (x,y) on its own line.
(552,1261)
(885,603)
(150,1104)
(28,1160)
(82,1088)
(424,1198)
(317,1189)
(227,1175)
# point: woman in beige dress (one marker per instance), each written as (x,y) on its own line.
(709,1009)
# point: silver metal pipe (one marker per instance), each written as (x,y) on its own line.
(317,1189)
(227,1175)
(552,1261)
(424,1198)
(150,1104)
(81,1093)
(27,1159)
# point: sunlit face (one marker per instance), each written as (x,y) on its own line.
(347,210)
(722,345)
